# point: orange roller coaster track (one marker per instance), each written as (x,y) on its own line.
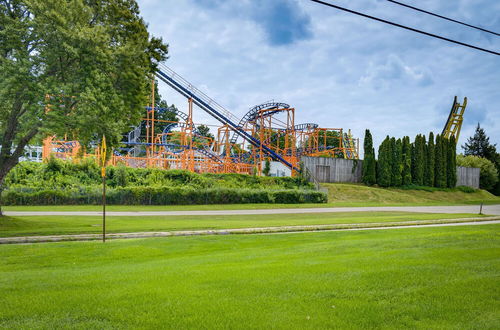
(266,132)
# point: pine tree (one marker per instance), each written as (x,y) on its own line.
(430,163)
(451,163)
(369,166)
(384,164)
(479,145)
(406,161)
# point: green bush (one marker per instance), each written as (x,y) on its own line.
(158,196)
(488,173)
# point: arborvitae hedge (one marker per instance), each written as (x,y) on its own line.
(451,163)
(369,166)
(384,164)
(406,161)
(419,163)
(159,196)
(440,161)
(430,163)
(418,160)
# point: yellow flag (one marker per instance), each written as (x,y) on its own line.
(103,156)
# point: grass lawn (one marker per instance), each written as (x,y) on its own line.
(53,225)
(403,278)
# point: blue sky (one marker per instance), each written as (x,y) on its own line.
(336,69)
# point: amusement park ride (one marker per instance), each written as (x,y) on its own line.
(266,132)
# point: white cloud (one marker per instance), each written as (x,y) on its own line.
(349,72)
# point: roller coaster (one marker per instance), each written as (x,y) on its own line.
(267,132)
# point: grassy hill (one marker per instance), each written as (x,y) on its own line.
(356,194)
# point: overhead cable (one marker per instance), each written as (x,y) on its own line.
(407,27)
(444,17)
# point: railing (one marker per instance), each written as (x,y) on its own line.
(195,91)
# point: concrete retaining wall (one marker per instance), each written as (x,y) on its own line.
(341,170)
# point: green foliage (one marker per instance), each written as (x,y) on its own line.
(384,164)
(418,160)
(267,168)
(440,161)
(369,165)
(406,161)
(159,195)
(60,182)
(488,175)
(430,162)
(204,130)
(479,145)
(91,61)
(451,163)
(397,162)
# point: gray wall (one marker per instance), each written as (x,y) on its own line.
(333,169)
(468,176)
(340,170)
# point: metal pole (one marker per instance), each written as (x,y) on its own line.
(481,209)
(104,209)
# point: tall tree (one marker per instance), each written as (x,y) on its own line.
(369,166)
(418,160)
(479,145)
(430,164)
(451,163)
(91,61)
(384,163)
(439,169)
(406,161)
(397,166)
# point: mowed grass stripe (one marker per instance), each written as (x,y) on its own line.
(59,225)
(426,278)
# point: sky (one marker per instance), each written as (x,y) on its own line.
(336,69)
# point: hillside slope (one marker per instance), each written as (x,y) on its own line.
(357,195)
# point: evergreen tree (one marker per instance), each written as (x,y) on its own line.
(439,172)
(406,161)
(479,145)
(418,160)
(430,163)
(384,164)
(451,163)
(369,166)
(444,153)
(398,163)
(392,159)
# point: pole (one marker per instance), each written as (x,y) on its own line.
(103,175)
(104,208)
(481,209)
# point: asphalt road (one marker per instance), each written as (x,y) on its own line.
(473,209)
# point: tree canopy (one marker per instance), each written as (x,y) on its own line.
(79,67)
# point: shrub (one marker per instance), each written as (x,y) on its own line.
(160,195)
(488,175)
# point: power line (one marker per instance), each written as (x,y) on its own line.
(443,17)
(407,28)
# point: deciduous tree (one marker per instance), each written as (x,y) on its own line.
(80,68)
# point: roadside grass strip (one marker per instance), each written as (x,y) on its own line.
(72,225)
(255,230)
